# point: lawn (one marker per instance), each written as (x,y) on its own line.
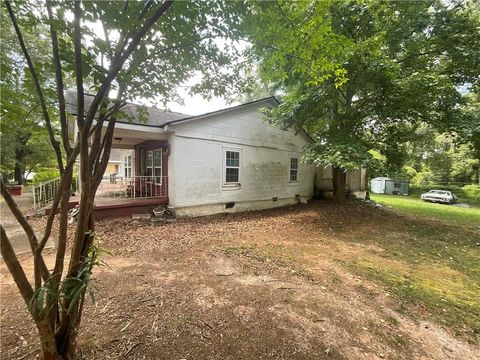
(318,280)
(415,206)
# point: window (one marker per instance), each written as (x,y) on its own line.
(154,165)
(232,167)
(142,161)
(157,165)
(127,162)
(293,170)
(149,163)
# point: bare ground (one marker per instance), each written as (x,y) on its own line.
(257,285)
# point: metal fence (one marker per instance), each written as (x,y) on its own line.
(134,187)
(44,192)
(115,188)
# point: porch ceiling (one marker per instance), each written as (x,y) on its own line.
(125,136)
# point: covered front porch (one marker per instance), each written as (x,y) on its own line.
(142,180)
(136,185)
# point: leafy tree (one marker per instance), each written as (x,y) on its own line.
(118,51)
(392,65)
(424,155)
(24,143)
(469,129)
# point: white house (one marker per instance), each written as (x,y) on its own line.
(224,161)
(232,160)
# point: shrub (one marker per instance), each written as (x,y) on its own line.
(45,175)
(421,177)
(472,192)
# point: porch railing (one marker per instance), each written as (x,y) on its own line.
(134,187)
(44,192)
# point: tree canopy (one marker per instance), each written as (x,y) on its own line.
(376,67)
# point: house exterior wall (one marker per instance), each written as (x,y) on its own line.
(197,164)
(112,167)
(117,157)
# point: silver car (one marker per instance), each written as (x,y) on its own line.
(440,196)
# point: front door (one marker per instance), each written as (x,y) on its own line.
(153,184)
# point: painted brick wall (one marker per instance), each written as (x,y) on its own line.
(197,160)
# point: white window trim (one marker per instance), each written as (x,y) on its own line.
(231,185)
(161,165)
(293,182)
(146,164)
(142,161)
(128,167)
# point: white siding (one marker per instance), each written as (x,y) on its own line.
(197,162)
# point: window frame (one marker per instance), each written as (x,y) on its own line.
(142,161)
(147,154)
(231,184)
(290,169)
(128,167)
(157,178)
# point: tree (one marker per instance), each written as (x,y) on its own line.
(391,64)
(469,129)
(118,51)
(24,142)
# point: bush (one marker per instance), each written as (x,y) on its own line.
(45,175)
(472,192)
(421,177)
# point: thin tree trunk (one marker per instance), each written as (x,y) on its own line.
(339,181)
(58,328)
(47,341)
(18,174)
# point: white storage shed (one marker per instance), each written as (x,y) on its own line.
(386,185)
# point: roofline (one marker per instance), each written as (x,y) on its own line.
(211,113)
(221,111)
(147,106)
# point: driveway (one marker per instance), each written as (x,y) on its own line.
(14,231)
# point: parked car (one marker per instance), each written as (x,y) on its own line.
(440,196)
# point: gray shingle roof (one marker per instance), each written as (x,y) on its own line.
(156,117)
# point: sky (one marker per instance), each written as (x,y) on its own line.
(196,105)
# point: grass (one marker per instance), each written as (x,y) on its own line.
(414,206)
(428,261)
(431,260)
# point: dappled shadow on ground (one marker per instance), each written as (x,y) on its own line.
(283,283)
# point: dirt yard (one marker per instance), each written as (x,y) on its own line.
(316,281)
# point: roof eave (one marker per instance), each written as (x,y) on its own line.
(271,99)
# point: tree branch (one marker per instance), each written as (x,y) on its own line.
(120,59)
(105,150)
(56,200)
(32,239)
(14,267)
(77,40)
(59,80)
(38,88)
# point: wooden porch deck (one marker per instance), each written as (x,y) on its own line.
(105,208)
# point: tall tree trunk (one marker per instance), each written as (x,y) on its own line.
(18,173)
(339,180)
